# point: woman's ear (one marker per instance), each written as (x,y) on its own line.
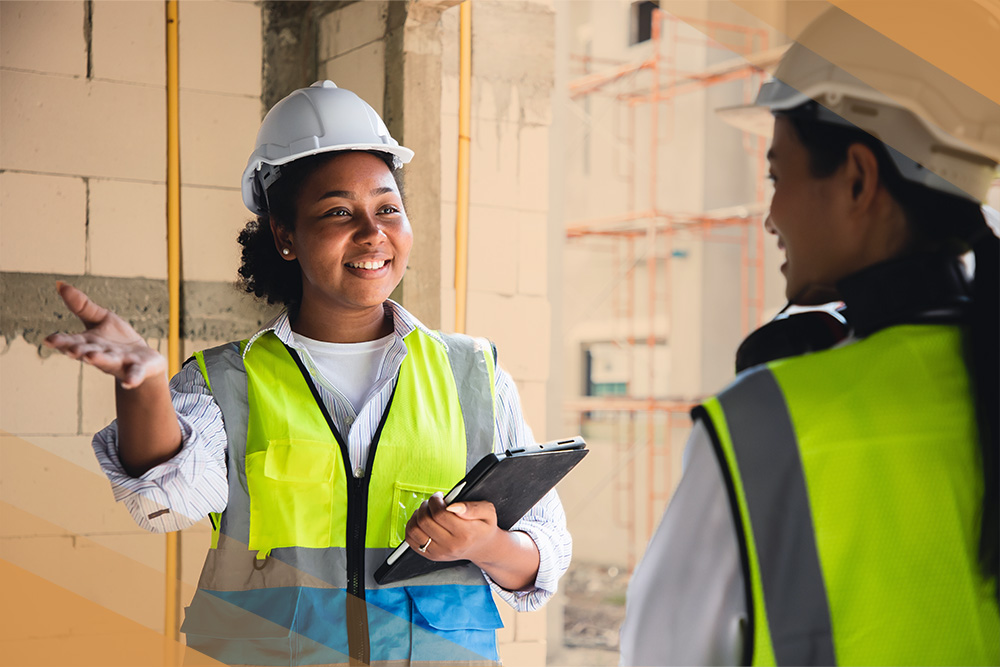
(282,239)
(862,175)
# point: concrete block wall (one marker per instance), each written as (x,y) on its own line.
(508,250)
(352,49)
(83,196)
(509,195)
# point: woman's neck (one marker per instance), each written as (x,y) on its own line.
(921,287)
(339,326)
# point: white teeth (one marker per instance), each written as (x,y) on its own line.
(367,265)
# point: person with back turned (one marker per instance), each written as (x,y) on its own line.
(840,506)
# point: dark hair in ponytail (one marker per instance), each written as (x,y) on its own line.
(940,223)
(984,335)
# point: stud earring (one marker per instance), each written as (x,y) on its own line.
(285,251)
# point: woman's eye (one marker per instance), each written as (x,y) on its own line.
(336,212)
(388,210)
(772,178)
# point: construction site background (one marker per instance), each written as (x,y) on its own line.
(616,255)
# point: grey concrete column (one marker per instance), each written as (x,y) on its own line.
(413,114)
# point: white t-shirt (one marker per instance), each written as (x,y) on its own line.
(350,369)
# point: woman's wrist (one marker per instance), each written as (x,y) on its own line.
(510,558)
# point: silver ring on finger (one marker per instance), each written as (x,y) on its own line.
(423,548)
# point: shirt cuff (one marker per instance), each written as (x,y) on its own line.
(546,581)
(188,464)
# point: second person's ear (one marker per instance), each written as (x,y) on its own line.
(862,173)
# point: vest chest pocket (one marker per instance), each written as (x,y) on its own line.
(292,489)
(406,499)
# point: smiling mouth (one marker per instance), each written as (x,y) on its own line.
(370,266)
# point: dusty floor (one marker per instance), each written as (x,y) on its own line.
(594,610)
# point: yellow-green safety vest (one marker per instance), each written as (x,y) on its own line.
(289,577)
(856,483)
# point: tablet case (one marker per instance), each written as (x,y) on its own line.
(513,481)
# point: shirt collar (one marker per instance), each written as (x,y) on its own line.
(403,324)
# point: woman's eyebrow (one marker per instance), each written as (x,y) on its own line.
(341,194)
(344,194)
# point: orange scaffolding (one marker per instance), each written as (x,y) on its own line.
(657,227)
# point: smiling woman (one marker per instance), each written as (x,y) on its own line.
(320,443)
(274,277)
(340,228)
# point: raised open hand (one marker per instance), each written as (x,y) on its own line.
(109,343)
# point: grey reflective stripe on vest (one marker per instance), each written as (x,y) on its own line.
(467,356)
(230,567)
(228,379)
(770,469)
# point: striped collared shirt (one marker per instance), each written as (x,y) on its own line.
(193,483)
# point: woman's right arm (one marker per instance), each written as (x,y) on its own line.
(187,479)
(148,432)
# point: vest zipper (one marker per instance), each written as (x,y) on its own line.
(356,615)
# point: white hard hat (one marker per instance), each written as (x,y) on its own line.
(940,132)
(317,119)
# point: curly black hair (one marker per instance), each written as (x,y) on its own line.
(263,272)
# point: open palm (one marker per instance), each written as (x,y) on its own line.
(109,342)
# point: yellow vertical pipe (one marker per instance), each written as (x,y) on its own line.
(171,607)
(464,141)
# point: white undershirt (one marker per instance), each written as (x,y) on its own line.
(350,369)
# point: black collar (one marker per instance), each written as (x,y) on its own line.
(924,288)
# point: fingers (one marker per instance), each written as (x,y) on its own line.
(80,304)
(76,345)
(433,517)
(474,511)
(456,532)
(418,539)
(423,526)
(130,364)
(68,344)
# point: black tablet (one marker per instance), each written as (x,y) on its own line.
(513,481)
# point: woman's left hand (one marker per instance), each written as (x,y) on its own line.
(461,531)
(469,531)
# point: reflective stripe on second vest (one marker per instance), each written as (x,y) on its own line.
(876,442)
(294,496)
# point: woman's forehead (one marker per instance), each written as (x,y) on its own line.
(353,171)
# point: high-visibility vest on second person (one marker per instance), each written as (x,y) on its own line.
(856,482)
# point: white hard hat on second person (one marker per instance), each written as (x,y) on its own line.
(317,119)
(939,132)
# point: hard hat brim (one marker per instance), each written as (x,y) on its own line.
(750,118)
(400,153)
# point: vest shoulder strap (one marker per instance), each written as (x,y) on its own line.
(226,377)
(758,451)
(473,363)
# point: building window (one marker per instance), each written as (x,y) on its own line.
(606,370)
(642,21)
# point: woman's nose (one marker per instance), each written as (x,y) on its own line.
(368,230)
(768,225)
